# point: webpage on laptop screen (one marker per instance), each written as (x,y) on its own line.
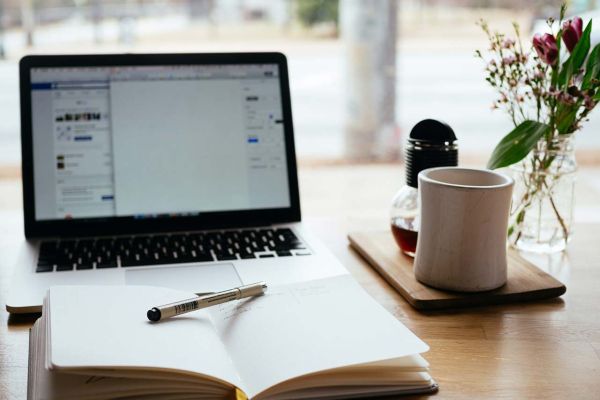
(149,141)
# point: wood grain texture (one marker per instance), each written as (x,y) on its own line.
(547,349)
(526,282)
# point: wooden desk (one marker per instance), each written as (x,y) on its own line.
(548,349)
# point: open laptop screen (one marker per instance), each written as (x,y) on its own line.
(149,141)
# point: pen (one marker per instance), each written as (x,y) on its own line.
(181,307)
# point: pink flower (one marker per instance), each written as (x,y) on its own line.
(571,32)
(565,98)
(546,48)
(509,60)
(589,102)
(508,43)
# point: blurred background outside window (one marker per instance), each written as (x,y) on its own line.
(362,72)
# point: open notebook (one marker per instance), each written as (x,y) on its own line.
(321,339)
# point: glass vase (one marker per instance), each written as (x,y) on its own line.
(543,197)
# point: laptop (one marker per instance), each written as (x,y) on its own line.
(173,170)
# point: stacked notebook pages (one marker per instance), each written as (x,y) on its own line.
(323,339)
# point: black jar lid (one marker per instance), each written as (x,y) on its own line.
(431,144)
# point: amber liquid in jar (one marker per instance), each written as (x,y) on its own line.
(405,235)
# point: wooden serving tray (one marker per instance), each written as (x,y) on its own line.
(525,280)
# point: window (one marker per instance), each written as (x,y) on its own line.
(359,80)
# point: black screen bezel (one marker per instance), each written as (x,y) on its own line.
(131,225)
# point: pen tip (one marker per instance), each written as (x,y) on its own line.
(153,314)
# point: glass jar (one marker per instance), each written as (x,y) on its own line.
(431,144)
(543,197)
(404,219)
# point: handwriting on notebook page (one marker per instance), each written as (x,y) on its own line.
(277,298)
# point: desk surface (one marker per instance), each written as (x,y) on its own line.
(547,349)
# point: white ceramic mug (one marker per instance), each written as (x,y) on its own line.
(462,238)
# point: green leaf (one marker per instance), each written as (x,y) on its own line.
(566,116)
(517,144)
(582,47)
(592,68)
(577,57)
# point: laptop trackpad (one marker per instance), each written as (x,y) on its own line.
(194,278)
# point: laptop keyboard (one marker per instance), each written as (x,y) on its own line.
(159,249)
